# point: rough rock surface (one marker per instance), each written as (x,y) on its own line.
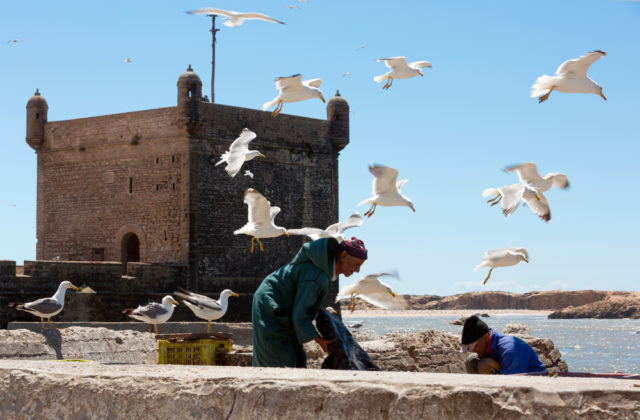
(39,389)
(612,307)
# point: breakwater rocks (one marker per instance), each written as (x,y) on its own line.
(612,307)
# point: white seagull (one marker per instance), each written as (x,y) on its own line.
(400,70)
(261,219)
(293,89)
(372,290)
(571,77)
(153,313)
(205,307)
(531,190)
(333,231)
(231,18)
(502,257)
(248,173)
(239,153)
(386,191)
(47,307)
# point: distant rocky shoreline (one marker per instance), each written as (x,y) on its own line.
(561,303)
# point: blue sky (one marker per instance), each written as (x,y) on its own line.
(450,133)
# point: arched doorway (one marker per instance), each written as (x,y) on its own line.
(130,250)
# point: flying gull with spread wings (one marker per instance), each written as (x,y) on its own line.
(374,291)
(399,69)
(571,77)
(261,219)
(232,18)
(239,153)
(386,190)
(502,257)
(333,231)
(293,89)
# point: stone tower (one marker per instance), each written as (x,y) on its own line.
(338,117)
(36,119)
(189,98)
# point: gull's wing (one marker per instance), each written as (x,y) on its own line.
(577,68)
(354,220)
(385,179)
(537,202)
(152,310)
(527,172)
(273,213)
(212,11)
(259,207)
(395,63)
(44,305)
(289,82)
(419,64)
(254,15)
(559,180)
(384,299)
(400,183)
(501,252)
(199,300)
(511,196)
(313,83)
(242,142)
(313,233)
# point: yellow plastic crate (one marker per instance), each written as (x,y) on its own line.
(192,352)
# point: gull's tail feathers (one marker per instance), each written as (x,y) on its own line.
(542,85)
(269,104)
(380,78)
(482,264)
(489,192)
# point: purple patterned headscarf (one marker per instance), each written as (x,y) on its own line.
(354,247)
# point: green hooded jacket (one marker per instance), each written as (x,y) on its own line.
(286,303)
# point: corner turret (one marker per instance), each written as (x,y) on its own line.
(338,117)
(189,97)
(37,109)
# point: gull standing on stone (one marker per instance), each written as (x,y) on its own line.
(372,290)
(239,153)
(47,307)
(571,77)
(231,18)
(261,219)
(386,191)
(400,70)
(153,313)
(205,307)
(502,257)
(531,190)
(333,231)
(293,89)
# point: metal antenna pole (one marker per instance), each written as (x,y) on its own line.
(213,55)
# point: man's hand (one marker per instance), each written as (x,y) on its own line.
(323,343)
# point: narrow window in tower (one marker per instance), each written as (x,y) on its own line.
(173,158)
(165,235)
(157,160)
(130,184)
(157,187)
(173,186)
(37,116)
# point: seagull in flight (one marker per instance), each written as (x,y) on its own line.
(231,18)
(571,77)
(293,89)
(386,190)
(239,153)
(261,219)
(333,231)
(502,257)
(372,290)
(128,60)
(400,70)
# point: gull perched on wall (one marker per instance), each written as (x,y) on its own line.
(400,70)
(153,313)
(47,307)
(231,18)
(293,89)
(571,77)
(372,290)
(333,231)
(386,191)
(261,219)
(205,307)
(239,153)
(502,257)
(531,190)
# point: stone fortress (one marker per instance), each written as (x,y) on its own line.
(133,205)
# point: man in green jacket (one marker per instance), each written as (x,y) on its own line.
(288,299)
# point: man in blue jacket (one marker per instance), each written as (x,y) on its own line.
(496,353)
(288,299)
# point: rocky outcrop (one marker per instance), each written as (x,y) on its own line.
(38,389)
(612,307)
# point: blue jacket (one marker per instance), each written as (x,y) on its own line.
(514,355)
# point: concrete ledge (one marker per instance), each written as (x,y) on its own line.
(39,389)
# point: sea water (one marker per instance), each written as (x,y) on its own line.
(587,345)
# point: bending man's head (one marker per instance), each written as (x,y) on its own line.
(475,336)
(351,255)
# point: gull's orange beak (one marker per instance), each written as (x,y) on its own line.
(392,293)
(322,99)
(603,97)
(236,295)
